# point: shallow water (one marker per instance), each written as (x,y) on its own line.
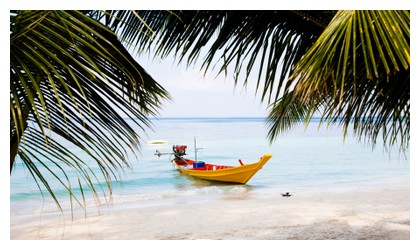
(304,160)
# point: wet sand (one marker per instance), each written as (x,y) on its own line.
(375,214)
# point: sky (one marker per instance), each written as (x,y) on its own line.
(195,94)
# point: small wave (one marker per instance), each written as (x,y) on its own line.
(207,191)
(239,190)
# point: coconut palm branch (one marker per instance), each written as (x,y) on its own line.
(268,42)
(349,67)
(356,74)
(72,83)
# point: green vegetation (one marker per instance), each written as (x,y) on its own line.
(71,78)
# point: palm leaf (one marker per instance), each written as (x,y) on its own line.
(72,80)
(268,42)
(348,65)
(358,74)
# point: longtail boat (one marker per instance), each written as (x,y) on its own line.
(215,172)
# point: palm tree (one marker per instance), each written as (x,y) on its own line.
(349,67)
(72,82)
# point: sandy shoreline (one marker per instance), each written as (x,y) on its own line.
(369,214)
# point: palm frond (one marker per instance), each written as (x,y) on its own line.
(287,112)
(72,80)
(336,61)
(358,71)
(266,42)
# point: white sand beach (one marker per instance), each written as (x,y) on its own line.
(371,214)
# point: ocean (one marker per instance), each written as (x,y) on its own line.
(305,160)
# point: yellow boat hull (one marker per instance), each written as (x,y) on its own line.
(212,172)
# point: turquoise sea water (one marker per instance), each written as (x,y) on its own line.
(304,160)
